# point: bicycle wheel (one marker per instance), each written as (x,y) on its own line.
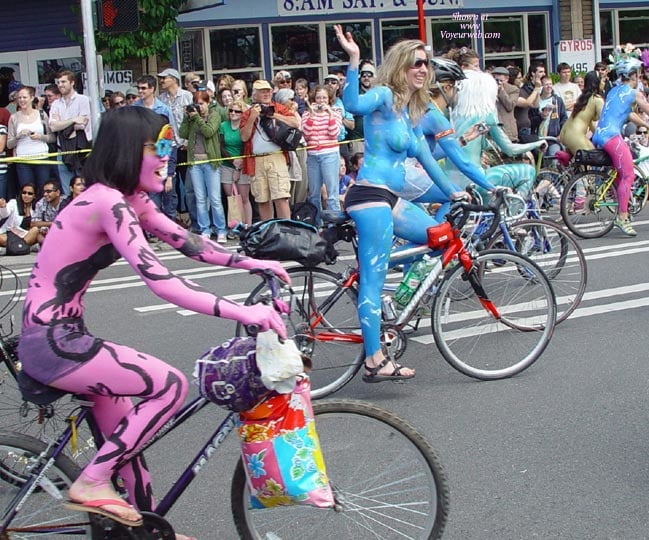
(44,422)
(387,482)
(558,254)
(321,312)
(43,514)
(476,343)
(639,193)
(549,186)
(588,206)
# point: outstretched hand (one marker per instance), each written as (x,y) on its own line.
(348,44)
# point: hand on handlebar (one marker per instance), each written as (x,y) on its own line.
(274,266)
(459,196)
(262,316)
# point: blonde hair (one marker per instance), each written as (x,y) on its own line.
(240,103)
(392,73)
(242,84)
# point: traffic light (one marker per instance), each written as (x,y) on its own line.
(116,16)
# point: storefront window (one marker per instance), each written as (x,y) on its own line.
(503,34)
(606,27)
(393,31)
(442,28)
(362,32)
(191,51)
(235,48)
(537,32)
(47,69)
(633,26)
(295,44)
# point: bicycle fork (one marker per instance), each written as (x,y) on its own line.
(471,275)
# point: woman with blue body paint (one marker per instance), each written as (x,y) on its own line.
(391,111)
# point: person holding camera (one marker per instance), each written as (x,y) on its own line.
(201,127)
(321,124)
(270,183)
(506,100)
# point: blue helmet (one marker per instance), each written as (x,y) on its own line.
(626,66)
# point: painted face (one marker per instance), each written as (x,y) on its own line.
(418,71)
(153,172)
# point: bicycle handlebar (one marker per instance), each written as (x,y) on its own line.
(275,286)
(459,213)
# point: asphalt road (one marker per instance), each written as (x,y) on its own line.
(559,451)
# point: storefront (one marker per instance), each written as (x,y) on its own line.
(248,38)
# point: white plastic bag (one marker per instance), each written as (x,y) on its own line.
(278,361)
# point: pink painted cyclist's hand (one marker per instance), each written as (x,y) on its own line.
(265,317)
(274,266)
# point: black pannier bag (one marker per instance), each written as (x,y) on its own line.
(287,240)
(597,158)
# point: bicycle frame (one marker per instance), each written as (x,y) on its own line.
(55,449)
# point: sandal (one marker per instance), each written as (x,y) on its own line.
(95,507)
(373,373)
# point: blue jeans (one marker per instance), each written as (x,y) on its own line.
(34,174)
(322,169)
(207,191)
(167,201)
(65,175)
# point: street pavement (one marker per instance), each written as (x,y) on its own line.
(559,451)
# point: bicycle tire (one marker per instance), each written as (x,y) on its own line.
(334,362)
(42,510)
(581,208)
(639,192)
(44,422)
(558,254)
(547,203)
(399,491)
(471,340)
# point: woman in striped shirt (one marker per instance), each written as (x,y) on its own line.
(321,124)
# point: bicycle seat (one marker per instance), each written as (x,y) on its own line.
(563,157)
(37,392)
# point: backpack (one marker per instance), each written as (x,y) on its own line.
(305,212)
(287,138)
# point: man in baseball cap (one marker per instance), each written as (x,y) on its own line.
(170,72)
(261,85)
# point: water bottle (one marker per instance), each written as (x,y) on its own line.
(410,282)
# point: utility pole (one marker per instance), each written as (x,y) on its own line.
(90,51)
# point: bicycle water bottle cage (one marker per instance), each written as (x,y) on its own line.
(440,235)
(596,157)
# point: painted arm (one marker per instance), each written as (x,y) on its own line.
(507,146)
(122,227)
(423,155)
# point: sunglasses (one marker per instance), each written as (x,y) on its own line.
(643,132)
(367,74)
(49,190)
(237,111)
(142,87)
(164,144)
(120,102)
(332,81)
(419,63)
(237,91)
(28,193)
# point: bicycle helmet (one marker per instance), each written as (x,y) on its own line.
(624,67)
(446,69)
(228,375)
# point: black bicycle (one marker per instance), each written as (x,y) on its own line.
(386,478)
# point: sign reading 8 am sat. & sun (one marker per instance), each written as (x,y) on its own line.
(322,7)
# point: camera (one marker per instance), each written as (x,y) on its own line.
(266,110)
(191,108)
(319,106)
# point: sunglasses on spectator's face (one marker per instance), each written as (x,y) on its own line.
(49,190)
(235,111)
(163,144)
(642,132)
(28,193)
(332,81)
(419,63)
(118,103)
(142,88)
(367,74)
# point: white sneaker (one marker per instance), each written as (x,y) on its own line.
(222,238)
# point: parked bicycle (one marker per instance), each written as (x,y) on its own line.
(492,313)
(386,478)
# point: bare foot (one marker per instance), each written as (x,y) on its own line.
(83,491)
